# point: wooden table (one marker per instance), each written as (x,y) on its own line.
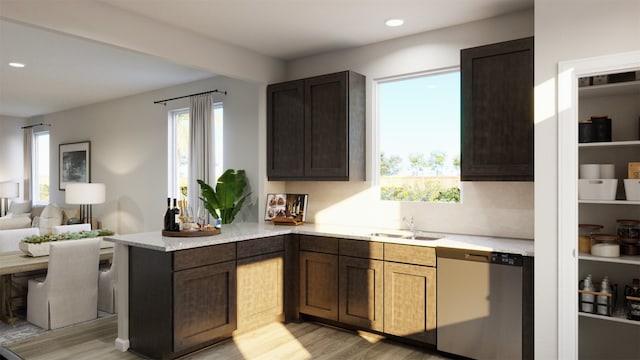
(17,262)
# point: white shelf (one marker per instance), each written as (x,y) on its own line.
(622,88)
(617,318)
(623,259)
(609,144)
(610,202)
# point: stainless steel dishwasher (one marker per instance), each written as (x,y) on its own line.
(480,304)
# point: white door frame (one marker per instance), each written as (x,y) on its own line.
(568,74)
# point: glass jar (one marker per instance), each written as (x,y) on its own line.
(629,231)
(584,238)
(605,245)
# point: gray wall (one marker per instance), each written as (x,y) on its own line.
(488,208)
(11,154)
(129,148)
(565,30)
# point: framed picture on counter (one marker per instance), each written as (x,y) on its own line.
(286,205)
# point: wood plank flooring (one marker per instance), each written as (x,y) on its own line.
(95,340)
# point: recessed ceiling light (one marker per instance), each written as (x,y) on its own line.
(394,22)
(16,64)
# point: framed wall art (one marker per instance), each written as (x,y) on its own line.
(74,163)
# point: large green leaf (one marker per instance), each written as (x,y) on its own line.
(227,199)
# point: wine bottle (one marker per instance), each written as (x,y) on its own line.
(175,223)
(167,216)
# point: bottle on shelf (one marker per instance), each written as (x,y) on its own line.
(168,216)
(587,300)
(604,300)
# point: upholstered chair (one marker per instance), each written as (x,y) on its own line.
(10,239)
(69,293)
(61,229)
(107,287)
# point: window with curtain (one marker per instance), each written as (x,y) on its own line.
(179,145)
(40,168)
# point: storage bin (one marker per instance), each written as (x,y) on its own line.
(597,189)
(632,189)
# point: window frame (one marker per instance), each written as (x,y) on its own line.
(376,128)
(36,160)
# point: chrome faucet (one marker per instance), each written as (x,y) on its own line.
(411,225)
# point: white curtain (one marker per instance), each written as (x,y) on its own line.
(27,167)
(202,147)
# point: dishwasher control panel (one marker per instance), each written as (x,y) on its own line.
(506,259)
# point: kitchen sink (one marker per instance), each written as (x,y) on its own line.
(402,236)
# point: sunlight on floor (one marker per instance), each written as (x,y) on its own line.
(278,334)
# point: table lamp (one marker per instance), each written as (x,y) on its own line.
(8,190)
(85,194)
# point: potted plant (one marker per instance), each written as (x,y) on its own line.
(225,201)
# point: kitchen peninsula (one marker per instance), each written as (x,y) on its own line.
(177,295)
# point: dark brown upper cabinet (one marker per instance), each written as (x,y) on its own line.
(316,128)
(497,111)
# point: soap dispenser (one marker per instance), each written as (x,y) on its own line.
(587,300)
(603,300)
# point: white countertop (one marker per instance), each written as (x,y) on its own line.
(246,231)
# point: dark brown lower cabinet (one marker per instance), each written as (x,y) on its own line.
(181,301)
(410,301)
(260,290)
(361,292)
(204,304)
(319,284)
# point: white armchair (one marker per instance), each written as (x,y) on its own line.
(10,239)
(108,287)
(69,293)
(61,229)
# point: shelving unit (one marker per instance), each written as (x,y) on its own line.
(621,102)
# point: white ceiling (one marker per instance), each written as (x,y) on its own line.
(64,72)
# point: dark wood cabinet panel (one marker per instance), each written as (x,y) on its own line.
(204,304)
(497,111)
(361,292)
(260,246)
(316,128)
(410,301)
(260,290)
(361,248)
(321,244)
(410,254)
(285,130)
(319,285)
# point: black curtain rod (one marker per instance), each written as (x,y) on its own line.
(164,102)
(34,125)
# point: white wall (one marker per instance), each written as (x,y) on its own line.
(11,154)
(129,148)
(565,30)
(488,208)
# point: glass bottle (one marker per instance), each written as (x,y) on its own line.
(587,300)
(603,300)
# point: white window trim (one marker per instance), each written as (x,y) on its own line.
(375,146)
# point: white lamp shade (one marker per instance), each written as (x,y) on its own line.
(9,190)
(85,193)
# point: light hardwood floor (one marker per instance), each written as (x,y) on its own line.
(95,340)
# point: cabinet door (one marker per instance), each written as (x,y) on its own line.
(260,290)
(319,285)
(204,304)
(361,290)
(326,126)
(410,301)
(285,130)
(497,111)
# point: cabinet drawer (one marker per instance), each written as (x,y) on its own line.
(319,244)
(260,246)
(185,259)
(361,248)
(409,254)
